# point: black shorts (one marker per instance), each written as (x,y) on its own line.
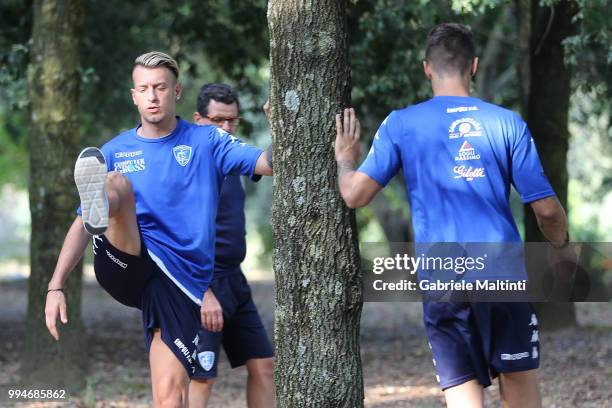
(244,336)
(480,340)
(122,275)
(136,281)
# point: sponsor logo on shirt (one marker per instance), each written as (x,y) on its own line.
(233,138)
(468,173)
(467,152)
(119,155)
(464,127)
(130,166)
(462,109)
(182,154)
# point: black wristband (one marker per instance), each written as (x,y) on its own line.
(55,290)
(564,244)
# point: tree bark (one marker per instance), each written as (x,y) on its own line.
(547,117)
(522,11)
(54,143)
(316,260)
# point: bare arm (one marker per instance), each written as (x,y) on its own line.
(357,189)
(264,163)
(562,257)
(72,250)
(263,166)
(551,220)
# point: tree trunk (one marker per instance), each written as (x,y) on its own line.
(522,11)
(316,260)
(54,143)
(547,117)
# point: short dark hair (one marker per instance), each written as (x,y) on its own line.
(219,92)
(450,48)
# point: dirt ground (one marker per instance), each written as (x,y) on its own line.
(398,372)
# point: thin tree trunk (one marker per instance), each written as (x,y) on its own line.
(522,11)
(316,261)
(547,117)
(54,142)
(490,76)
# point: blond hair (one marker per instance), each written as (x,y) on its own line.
(155,59)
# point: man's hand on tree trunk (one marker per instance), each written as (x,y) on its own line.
(347,137)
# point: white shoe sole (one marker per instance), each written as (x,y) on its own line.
(90,177)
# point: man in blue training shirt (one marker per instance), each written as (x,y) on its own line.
(229,314)
(150,199)
(459,156)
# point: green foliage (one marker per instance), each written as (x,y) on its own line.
(227,40)
(388,46)
(473,6)
(590,51)
(13,149)
(15,27)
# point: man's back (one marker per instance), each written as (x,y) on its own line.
(459,156)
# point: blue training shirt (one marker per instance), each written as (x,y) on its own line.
(459,156)
(177,181)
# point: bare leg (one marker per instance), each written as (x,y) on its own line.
(260,383)
(169,379)
(466,395)
(520,389)
(199,392)
(122,230)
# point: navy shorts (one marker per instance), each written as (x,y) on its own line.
(480,340)
(137,281)
(244,336)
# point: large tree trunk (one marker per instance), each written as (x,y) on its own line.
(547,117)
(54,143)
(316,261)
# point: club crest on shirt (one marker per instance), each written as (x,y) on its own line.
(182,154)
(206,359)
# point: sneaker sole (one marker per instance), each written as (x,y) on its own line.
(90,177)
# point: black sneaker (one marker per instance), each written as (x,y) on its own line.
(90,177)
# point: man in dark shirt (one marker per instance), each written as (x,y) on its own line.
(228,312)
